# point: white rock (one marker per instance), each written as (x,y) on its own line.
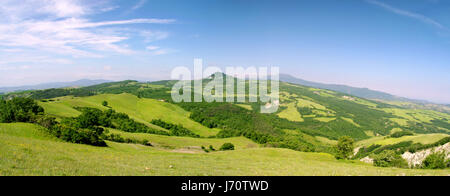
(415,159)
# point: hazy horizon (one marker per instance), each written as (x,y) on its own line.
(400,47)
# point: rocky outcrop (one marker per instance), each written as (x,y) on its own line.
(416,159)
(367,160)
(356,150)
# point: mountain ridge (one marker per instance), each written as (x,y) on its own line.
(355,91)
(76,83)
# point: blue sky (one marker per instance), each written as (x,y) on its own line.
(400,47)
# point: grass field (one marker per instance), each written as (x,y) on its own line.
(309,104)
(173,142)
(415,115)
(324,119)
(291,113)
(245,106)
(142,110)
(27,150)
(419,138)
(350,121)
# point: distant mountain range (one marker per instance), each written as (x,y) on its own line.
(359,92)
(78,83)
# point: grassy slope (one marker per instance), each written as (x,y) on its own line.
(291,113)
(368,116)
(142,110)
(26,150)
(419,138)
(174,142)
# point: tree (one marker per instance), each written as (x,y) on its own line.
(435,161)
(227,146)
(344,147)
(389,158)
(105,103)
(19,109)
(89,118)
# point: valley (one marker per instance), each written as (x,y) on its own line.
(299,139)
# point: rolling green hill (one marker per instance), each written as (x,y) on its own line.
(142,110)
(27,150)
(419,138)
(311,111)
(308,120)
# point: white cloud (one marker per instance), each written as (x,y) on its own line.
(152,47)
(63,8)
(150,36)
(409,14)
(30,59)
(139,4)
(61,27)
(158,52)
(110,8)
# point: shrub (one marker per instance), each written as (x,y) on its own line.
(211,148)
(344,147)
(435,161)
(389,158)
(70,133)
(19,109)
(105,103)
(112,119)
(45,121)
(401,134)
(227,146)
(146,143)
(175,130)
(114,137)
(204,149)
(93,117)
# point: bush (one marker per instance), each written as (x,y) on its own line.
(114,137)
(112,119)
(435,161)
(119,139)
(389,158)
(45,121)
(204,149)
(19,109)
(175,130)
(211,148)
(70,133)
(227,146)
(105,103)
(145,142)
(401,134)
(344,147)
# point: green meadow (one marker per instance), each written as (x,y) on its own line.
(28,150)
(309,120)
(418,138)
(141,109)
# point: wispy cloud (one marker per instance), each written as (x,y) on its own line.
(409,14)
(151,36)
(152,47)
(161,52)
(63,27)
(31,59)
(139,4)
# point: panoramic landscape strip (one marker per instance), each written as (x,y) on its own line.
(224,96)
